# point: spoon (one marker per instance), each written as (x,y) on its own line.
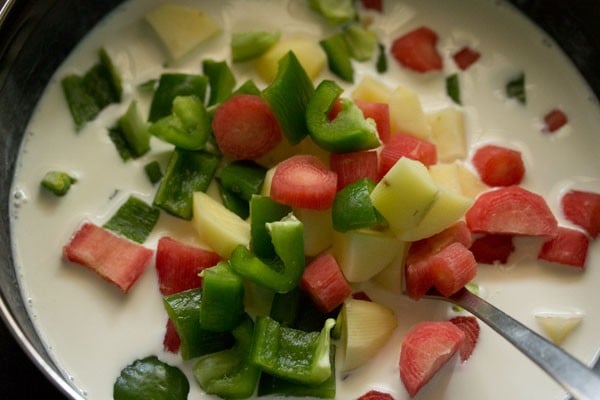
(574,376)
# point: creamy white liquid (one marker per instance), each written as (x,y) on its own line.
(93,330)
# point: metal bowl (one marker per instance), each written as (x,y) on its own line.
(36,36)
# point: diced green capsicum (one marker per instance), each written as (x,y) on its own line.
(183,309)
(263,210)
(361,41)
(229,374)
(248,87)
(338,56)
(291,354)
(248,45)
(353,209)
(173,85)
(150,378)
(288,97)
(82,105)
(221,80)
(135,130)
(453,88)
(188,125)
(280,275)
(244,178)
(337,12)
(222,305)
(515,88)
(134,219)
(233,202)
(187,172)
(295,309)
(153,171)
(57,182)
(349,131)
(381,64)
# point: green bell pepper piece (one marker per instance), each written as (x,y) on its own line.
(291,354)
(282,274)
(134,219)
(135,130)
(515,88)
(150,378)
(222,304)
(263,210)
(338,56)
(352,207)
(187,127)
(453,88)
(233,202)
(187,172)
(183,309)
(288,96)
(248,45)
(248,87)
(361,41)
(153,171)
(81,104)
(271,385)
(229,374)
(221,80)
(381,64)
(295,310)
(244,178)
(348,132)
(173,85)
(57,182)
(337,12)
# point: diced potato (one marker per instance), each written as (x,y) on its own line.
(448,134)
(181,28)
(310,54)
(367,327)
(558,326)
(371,89)
(266,188)
(407,115)
(446,176)
(448,207)
(318,229)
(470,184)
(218,227)
(392,276)
(363,253)
(404,195)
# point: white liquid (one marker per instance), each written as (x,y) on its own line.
(93,331)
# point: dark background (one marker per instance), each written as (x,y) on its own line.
(573,24)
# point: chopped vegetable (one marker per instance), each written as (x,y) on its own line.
(234,202)
(453,88)
(57,182)
(181,28)
(324,283)
(183,309)
(310,56)
(406,113)
(421,249)
(134,219)
(244,178)
(338,56)
(349,131)
(221,80)
(491,249)
(568,247)
(350,167)
(230,373)
(135,131)
(178,265)
(222,305)
(417,50)
(248,45)
(583,209)
(425,349)
(116,259)
(150,378)
(515,89)
(378,112)
(403,145)
(287,353)
(353,209)
(448,133)
(245,127)
(337,12)
(375,394)
(303,181)
(451,268)
(498,165)
(171,340)
(172,85)
(511,210)
(361,41)
(381,65)
(187,172)
(117,137)
(555,119)
(288,96)
(153,171)
(465,57)
(470,327)
(262,211)
(559,325)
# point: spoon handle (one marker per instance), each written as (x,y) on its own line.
(578,379)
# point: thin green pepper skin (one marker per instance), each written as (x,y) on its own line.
(221,80)
(348,132)
(338,56)
(282,274)
(229,373)
(134,219)
(244,177)
(222,305)
(135,131)
(263,209)
(171,86)
(353,209)
(233,202)
(291,354)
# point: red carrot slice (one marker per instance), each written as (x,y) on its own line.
(568,247)
(490,249)
(470,327)
(583,209)
(554,120)
(466,57)
(452,268)
(404,145)
(417,279)
(116,259)
(499,166)
(324,282)
(303,181)
(421,249)
(245,127)
(351,167)
(417,50)
(511,210)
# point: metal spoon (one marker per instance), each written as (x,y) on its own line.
(578,379)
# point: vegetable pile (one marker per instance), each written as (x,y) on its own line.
(318,192)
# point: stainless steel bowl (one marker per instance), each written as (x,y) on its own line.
(35,37)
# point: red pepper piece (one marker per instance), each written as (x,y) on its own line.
(405,145)
(555,119)
(466,57)
(568,247)
(489,249)
(417,50)
(583,209)
(499,166)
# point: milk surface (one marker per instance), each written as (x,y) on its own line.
(93,330)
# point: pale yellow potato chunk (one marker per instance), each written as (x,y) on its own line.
(558,326)
(448,134)
(407,115)
(318,229)
(373,90)
(310,54)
